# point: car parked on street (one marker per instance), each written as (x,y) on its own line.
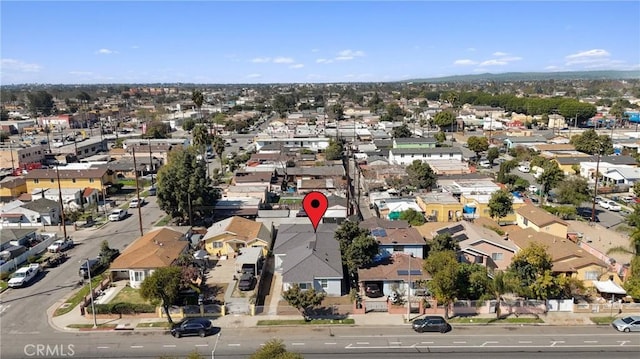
(431,324)
(627,324)
(135,203)
(60,245)
(610,205)
(117,215)
(193,326)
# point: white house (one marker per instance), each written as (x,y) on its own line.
(406,156)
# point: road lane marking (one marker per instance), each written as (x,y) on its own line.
(233,345)
(169,345)
(137,346)
(103,347)
(485,343)
(202,345)
(525,342)
(459,342)
(623,342)
(426,342)
(493,347)
(395,343)
(330,343)
(556,342)
(297,343)
(362,343)
(591,341)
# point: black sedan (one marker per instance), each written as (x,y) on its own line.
(194,326)
(431,324)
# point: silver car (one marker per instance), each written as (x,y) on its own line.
(627,324)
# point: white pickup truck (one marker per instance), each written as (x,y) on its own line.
(24,275)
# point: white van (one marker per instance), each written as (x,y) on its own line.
(524,168)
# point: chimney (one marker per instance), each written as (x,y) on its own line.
(506,236)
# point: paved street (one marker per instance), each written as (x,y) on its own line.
(57,283)
(334,342)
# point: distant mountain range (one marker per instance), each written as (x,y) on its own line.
(538,76)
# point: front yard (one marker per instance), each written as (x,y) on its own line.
(128,295)
(75,299)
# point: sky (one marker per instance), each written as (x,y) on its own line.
(230,42)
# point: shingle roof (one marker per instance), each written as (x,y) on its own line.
(40,173)
(242,229)
(566,255)
(41,205)
(538,216)
(376,222)
(394,269)
(155,249)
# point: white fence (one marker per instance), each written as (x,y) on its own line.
(35,250)
(560,305)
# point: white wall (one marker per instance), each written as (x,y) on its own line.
(409,158)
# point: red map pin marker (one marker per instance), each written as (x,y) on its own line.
(315,204)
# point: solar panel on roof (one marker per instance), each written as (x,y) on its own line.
(406,272)
(460,237)
(378,232)
(451,230)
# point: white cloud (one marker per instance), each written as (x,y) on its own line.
(588,57)
(253,76)
(106,52)
(323,61)
(493,63)
(283,60)
(19,66)
(498,53)
(260,60)
(464,62)
(296,66)
(348,55)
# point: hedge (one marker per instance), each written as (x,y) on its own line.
(122,308)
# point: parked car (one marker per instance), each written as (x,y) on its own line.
(193,326)
(485,164)
(373,290)
(533,189)
(117,215)
(60,245)
(24,275)
(524,168)
(135,203)
(431,324)
(247,282)
(627,324)
(610,205)
(152,191)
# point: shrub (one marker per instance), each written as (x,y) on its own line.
(122,308)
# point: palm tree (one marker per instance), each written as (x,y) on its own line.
(201,139)
(218,147)
(47,130)
(198,99)
(500,284)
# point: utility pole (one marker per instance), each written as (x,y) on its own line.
(64,223)
(135,171)
(595,194)
(151,163)
(93,307)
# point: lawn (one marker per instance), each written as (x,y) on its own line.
(128,295)
(90,326)
(482,320)
(163,221)
(3,285)
(602,320)
(304,322)
(75,299)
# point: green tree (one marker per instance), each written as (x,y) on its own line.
(500,204)
(302,300)
(492,154)
(183,186)
(443,242)
(472,282)
(401,131)
(360,253)
(412,216)
(394,111)
(106,254)
(188,124)
(500,284)
(198,99)
(335,150)
(478,144)
(573,190)
(529,266)
(157,129)
(219,145)
(421,175)
(520,184)
(4,136)
(636,189)
(440,136)
(632,282)
(163,286)
(443,119)
(551,176)
(590,142)
(338,111)
(40,102)
(274,349)
(443,267)
(201,139)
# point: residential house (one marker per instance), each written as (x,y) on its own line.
(12,187)
(440,206)
(16,237)
(336,210)
(253,179)
(539,220)
(621,176)
(399,240)
(525,141)
(309,258)
(399,272)
(47,212)
(475,195)
(81,149)
(567,257)
(93,177)
(224,239)
(247,191)
(406,156)
(246,207)
(417,142)
(157,249)
(19,156)
(391,208)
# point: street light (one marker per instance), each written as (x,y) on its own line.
(93,307)
(213,352)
